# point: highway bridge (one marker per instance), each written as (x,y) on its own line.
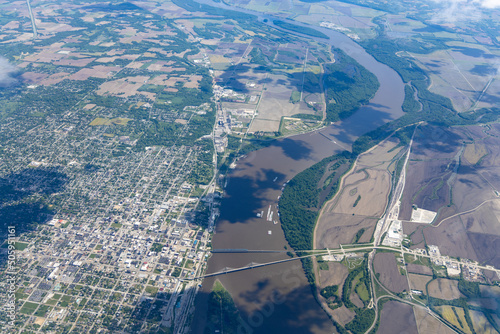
(242,250)
(254,265)
(318,252)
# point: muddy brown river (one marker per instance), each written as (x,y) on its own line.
(277,298)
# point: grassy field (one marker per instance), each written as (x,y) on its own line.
(417,260)
(42,310)
(219,59)
(28,308)
(151,290)
(295,97)
(20,246)
(361,289)
(455,315)
(52,302)
(474,152)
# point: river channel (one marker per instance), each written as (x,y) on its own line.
(277,298)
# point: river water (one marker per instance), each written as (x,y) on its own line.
(277,299)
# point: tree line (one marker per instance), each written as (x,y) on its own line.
(348,85)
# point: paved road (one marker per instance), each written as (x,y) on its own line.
(35,32)
(342,250)
(256,265)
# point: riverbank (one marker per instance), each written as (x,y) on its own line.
(279,296)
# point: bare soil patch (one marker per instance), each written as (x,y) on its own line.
(356,300)
(99,71)
(473,152)
(490,276)
(452,239)
(448,68)
(33,77)
(425,186)
(414,231)
(55,78)
(266,125)
(397,317)
(487,248)
(435,142)
(124,87)
(338,228)
(275,103)
(360,201)
(444,289)
(491,142)
(379,156)
(409,228)
(485,219)
(193,82)
(335,275)
(373,194)
(390,277)
(418,269)
(428,324)
(354,177)
(418,282)
(431,165)
(470,189)
(343,315)
(74,62)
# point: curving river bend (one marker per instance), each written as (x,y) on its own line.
(277,298)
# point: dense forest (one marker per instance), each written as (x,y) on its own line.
(302,199)
(409,103)
(193,6)
(299,29)
(364,316)
(222,315)
(348,85)
(300,202)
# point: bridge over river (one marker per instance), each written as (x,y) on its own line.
(319,252)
